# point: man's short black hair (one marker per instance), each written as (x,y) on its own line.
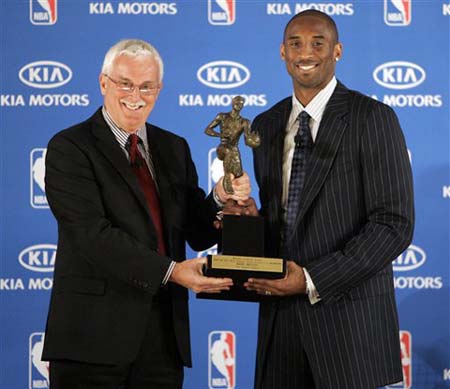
(315,13)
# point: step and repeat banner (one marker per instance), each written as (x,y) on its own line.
(396,51)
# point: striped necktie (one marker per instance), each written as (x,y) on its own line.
(302,152)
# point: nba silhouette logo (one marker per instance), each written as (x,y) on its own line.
(406,355)
(38,198)
(215,169)
(222,360)
(211,251)
(397,12)
(221,12)
(43,12)
(38,369)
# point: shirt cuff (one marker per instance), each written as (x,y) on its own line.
(311,290)
(168,273)
(217,200)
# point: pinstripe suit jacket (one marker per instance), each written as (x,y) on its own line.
(355,217)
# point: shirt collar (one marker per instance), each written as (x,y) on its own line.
(122,135)
(316,106)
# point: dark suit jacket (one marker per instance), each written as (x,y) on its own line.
(355,217)
(107,269)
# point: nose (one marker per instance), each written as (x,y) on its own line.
(305,51)
(135,91)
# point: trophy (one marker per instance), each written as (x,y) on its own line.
(242,245)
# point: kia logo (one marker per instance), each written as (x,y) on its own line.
(40,258)
(45,74)
(223,74)
(399,75)
(412,258)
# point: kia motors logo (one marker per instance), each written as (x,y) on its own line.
(399,75)
(223,74)
(412,258)
(45,74)
(40,258)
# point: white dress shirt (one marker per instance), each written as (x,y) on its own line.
(315,109)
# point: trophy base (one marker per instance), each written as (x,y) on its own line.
(242,258)
(240,269)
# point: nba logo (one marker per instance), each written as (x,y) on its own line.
(211,251)
(406,355)
(397,12)
(221,12)
(43,12)
(215,169)
(37,175)
(38,369)
(222,360)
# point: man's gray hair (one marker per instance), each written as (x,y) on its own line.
(132,48)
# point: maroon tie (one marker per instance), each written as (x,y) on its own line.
(148,187)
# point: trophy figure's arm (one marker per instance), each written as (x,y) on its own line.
(252,139)
(210,129)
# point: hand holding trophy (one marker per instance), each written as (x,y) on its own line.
(242,236)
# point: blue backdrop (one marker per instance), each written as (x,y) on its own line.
(51,53)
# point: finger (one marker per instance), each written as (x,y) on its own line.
(260,283)
(215,290)
(211,282)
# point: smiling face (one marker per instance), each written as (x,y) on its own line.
(130,110)
(310,50)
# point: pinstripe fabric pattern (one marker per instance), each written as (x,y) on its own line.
(356,216)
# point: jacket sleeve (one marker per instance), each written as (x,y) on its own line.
(388,197)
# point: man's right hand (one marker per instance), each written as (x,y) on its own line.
(189,274)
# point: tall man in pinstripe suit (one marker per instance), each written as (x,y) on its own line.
(333,320)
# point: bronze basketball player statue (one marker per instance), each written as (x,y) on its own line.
(232,125)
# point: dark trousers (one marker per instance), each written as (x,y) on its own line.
(157,366)
(286,364)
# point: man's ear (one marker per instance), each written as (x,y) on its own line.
(102,82)
(282,52)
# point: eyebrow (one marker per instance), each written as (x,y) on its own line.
(145,82)
(314,37)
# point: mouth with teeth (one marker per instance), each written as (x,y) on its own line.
(306,67)
(133,106)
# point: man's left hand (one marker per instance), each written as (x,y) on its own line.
(293,283)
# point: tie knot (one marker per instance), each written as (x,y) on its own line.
(132,149)
(304,118)
(133,140)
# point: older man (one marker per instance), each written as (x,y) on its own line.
(126,198)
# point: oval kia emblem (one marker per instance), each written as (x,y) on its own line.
(399,75)
(40,257)
(412,258)
(223,74)
(45,74)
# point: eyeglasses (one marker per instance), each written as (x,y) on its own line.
(128,87)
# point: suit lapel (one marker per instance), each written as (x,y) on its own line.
(161,164)
(331,131)
(108,146)
(276,134)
